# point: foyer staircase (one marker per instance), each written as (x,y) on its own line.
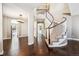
(56,31)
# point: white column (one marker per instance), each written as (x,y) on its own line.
(30,28)
(1,39)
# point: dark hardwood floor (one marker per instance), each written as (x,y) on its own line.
(39,49)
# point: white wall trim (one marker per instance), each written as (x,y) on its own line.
(61,45)
(10,38)
(73,39)
(31,43)
(6,38)
(23,36)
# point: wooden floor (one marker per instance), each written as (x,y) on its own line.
(39,49)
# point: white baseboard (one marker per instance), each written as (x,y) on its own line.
(1,53)
(61,45)
(73,39)
(23,36)
(6,38)
(10,38)
(31,43)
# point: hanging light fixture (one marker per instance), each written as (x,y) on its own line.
(20,19)
(66,10)
(42,8)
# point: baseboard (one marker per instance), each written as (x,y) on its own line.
(19,37)
(75,39)
(22,36)
(31,43)
(1,53)
(61,45)
(6,38)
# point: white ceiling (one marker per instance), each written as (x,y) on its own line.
(74,8)
(15,9)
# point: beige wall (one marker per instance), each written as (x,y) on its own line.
(1,32)
(75,26)
(74,8)
(57,9)
(6,27)
(23,28)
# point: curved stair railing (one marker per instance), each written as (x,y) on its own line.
(51,22)
(50,27)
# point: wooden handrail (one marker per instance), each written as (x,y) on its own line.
(58,23)
(48,18)
(52,22)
